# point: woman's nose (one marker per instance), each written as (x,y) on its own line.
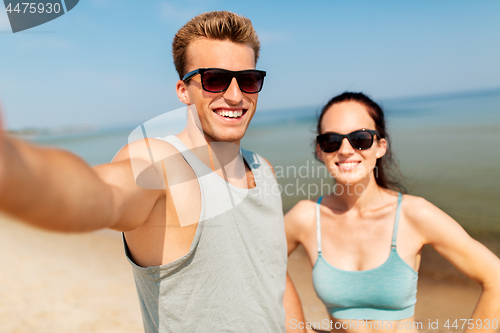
(346,148)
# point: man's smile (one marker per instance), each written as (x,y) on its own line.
(228,113)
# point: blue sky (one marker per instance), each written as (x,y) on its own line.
(108,62)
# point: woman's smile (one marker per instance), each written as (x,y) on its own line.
(347,165)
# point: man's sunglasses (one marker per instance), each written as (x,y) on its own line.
(360,139)
(216,80)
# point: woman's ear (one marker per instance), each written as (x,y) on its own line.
(319,153)
(182,93)
(381,148)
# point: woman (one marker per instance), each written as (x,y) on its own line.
(365,238)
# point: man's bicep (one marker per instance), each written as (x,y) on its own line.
(132,204)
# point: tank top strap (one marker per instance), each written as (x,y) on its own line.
(318,223)
(396,221)
(199,168)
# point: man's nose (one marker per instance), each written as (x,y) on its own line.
(233,94)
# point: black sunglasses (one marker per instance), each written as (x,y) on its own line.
(216,80)
(360,139)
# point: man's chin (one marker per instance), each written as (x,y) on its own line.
(225,137)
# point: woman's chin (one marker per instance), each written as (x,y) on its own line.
(350,185)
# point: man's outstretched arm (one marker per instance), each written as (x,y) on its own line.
(55,189)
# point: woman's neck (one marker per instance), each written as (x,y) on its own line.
(359,195)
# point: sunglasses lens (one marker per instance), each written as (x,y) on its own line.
(215,80)
(329,142)
(361,139)
(250,81)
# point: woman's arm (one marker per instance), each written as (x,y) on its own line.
(298,221)
(472,258)
(295,221)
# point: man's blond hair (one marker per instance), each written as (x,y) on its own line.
(218,25)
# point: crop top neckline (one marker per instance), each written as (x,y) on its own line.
(386,292)
(393,244)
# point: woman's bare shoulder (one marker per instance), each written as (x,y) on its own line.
(302,214)
(418,210)
(429,221)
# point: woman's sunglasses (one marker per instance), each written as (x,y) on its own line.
(361,140)
(216,80)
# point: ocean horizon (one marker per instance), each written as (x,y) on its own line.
(446,147)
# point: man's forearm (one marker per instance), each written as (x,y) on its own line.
(52,188)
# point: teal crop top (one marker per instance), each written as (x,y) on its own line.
(387,292)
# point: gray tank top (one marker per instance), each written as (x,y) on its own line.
(233,278)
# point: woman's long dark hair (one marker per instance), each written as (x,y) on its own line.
(387,174)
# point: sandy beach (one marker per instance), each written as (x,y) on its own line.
(62,283)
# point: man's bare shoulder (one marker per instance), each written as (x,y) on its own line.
(148,162)
(137,181)
(149,149)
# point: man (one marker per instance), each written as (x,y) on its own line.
(200,264)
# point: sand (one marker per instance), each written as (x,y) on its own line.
(61,283)
(55,283)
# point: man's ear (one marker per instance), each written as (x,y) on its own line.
(182,94)
(381,148)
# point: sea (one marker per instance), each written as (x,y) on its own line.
(447,148)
